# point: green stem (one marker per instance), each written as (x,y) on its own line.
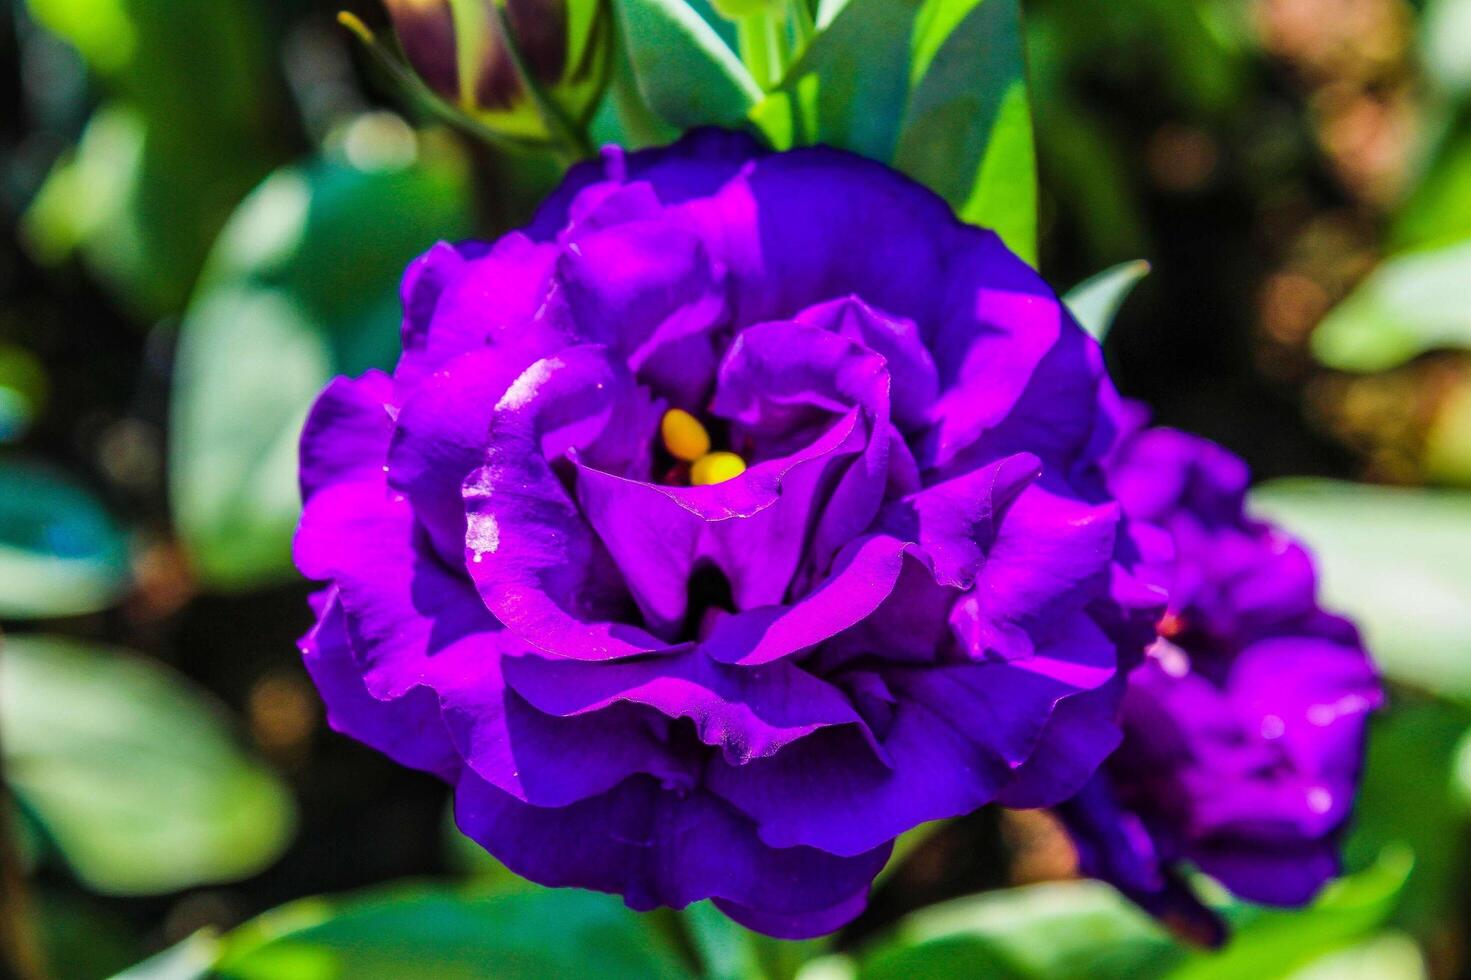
(751,42)
(416,92)
(802,25)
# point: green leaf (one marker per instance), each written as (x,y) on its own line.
(967,127)
(1270,942)
(1411,304)
(1395,560)
(1096,301)
(1445,43)
(443,934)
(1386,956)
(302,285)
(935,87)
(189,960)
(849,87)
(131,773)
(1407,798)
(1438,209)
(186,130)
(1061,929)
(687,74)
(61,554)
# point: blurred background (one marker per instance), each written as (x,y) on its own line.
(206,208)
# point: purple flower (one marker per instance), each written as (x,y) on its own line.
(741,513)
(1244,727)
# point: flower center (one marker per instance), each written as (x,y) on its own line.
(687,441)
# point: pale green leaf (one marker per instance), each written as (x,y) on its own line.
(1411,304)
(133,775)
(1096,301)
(1394,560)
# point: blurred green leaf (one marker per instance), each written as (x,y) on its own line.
(1437,211)
(184,134)
(133,774)
(189,960)
(443,934)
(302,285)
(1395,560)
(110,944)
(1056,930)
(61,554)
(1407,798)
(1386,956)
(726,950)
(967,125)
(1445,43)
(687,74)
(1411,304)
(1096,301)
(23,391)
(1270,942)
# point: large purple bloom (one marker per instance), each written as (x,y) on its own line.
(867,575)
(1244,727)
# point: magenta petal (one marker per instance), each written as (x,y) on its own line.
(534,560)
(346,434)
(915,379)
(649,291)
(461,298)
(748,713)
(440,440)
(407,729)
(863,576)
(956,735)
(956,522)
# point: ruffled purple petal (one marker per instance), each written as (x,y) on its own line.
(657,846)
(747,713)
(347,432)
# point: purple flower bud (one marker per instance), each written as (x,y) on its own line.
(461,52)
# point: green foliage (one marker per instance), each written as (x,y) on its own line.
(1095,301)
(132,774)
(967,125)
(1275,942)
(686,73)
(440,934)
(1412,303)
(1063,929)
(162,164)
(937,88)
(61,553)
(1394,559)
(302,285)
(1086,930)
(1410,799)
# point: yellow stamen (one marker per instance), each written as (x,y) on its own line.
(684,436)
(716,468)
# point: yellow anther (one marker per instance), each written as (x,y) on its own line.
(684,436)
(716,468)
